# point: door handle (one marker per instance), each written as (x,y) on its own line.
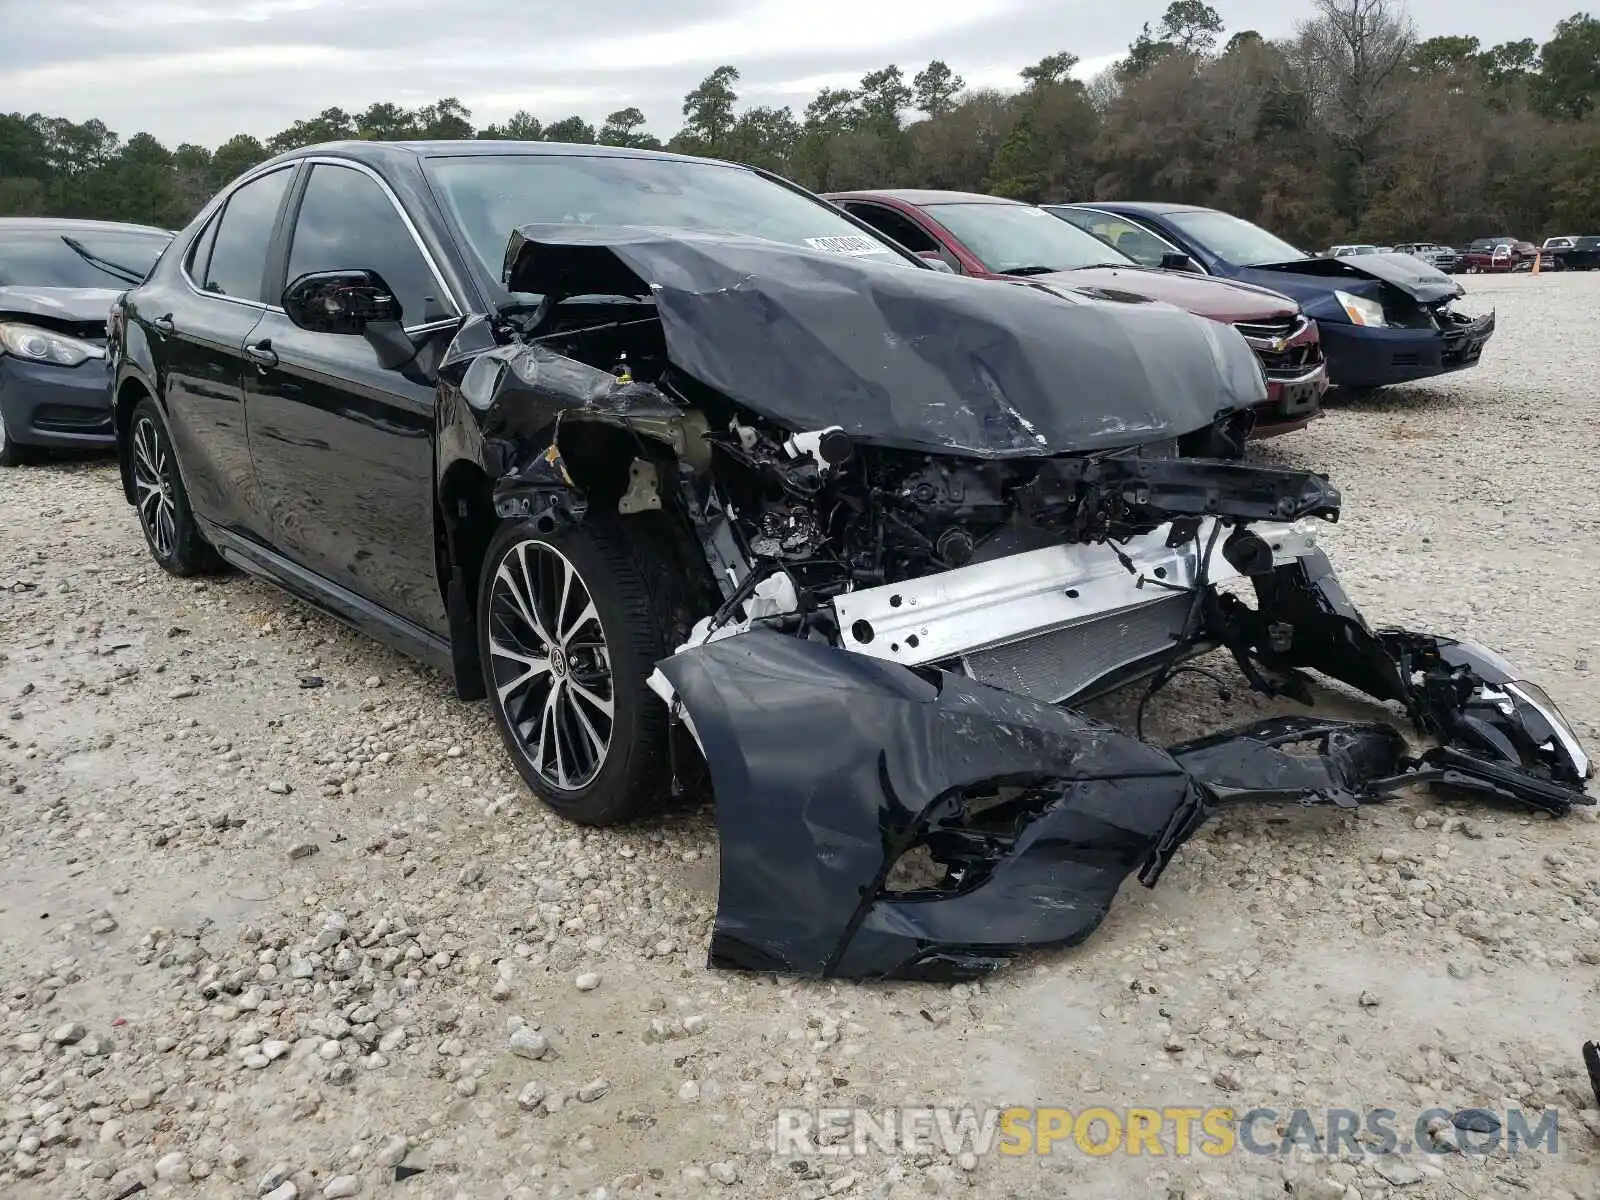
(262,354)
(164,324)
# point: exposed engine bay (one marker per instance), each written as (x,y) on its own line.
(932,519)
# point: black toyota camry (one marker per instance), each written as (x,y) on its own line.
(697,479)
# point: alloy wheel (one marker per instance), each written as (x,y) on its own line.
(550,665)
(153,482)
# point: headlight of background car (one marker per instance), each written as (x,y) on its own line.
(1360,310)
(44,345)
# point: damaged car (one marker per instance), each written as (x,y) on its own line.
(990,237)
(58,278)
(690,475)
(1384,318)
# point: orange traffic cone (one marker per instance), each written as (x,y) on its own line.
(1537,259)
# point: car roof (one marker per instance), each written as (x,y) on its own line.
(1154,208)
(71,224)
(920,196)
(391,153)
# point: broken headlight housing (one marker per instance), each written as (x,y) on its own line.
(1531,699)
(1361,310)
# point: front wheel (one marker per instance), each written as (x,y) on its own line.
(170,529)
(569,628)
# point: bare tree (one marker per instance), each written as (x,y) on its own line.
(1354,55)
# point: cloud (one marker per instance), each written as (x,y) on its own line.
(203,70)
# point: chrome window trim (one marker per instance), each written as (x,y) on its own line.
(448,296)
(222,211)
(445,293)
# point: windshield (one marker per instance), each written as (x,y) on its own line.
(40,258)
(1234,240)
(489,196)
(1015,237)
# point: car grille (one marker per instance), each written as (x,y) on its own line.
(1055,666)
(1269,330)
(1288,363)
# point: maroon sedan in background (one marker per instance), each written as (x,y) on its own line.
(992,238)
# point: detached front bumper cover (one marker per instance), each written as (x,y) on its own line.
(833,770)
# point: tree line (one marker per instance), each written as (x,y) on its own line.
(1350,129)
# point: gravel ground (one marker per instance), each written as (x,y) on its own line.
(259,938)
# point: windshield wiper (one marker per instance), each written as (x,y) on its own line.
(1030,271)
(131,274)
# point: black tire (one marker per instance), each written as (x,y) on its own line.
(634,582)
(170,530)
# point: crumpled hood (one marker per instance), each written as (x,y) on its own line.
(60,304)
(1218,299)
(903,357)
(1421,281)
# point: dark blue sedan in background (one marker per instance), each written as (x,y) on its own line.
(58,278)
(1384,318)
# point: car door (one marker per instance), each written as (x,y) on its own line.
(342,445)
(198,327)
(899,227)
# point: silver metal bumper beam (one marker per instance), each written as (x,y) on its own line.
(969,609)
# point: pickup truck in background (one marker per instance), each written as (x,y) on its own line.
(1495,254)
(1434,254)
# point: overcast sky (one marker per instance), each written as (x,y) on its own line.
(202,70)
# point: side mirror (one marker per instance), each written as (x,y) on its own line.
(1175,261)
(340,301)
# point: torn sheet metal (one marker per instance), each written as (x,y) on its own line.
(522,388)
(901,357)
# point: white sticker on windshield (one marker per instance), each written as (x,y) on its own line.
(847,243)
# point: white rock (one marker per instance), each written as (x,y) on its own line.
(587,982)
(1397,1171)
(341,1186)
(528,1042)
(394,1150)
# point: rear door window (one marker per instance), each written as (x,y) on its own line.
(893,225)
(238,262)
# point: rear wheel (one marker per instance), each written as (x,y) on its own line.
(170,530)
(570,625)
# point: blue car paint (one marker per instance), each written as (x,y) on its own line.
(1358,356)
